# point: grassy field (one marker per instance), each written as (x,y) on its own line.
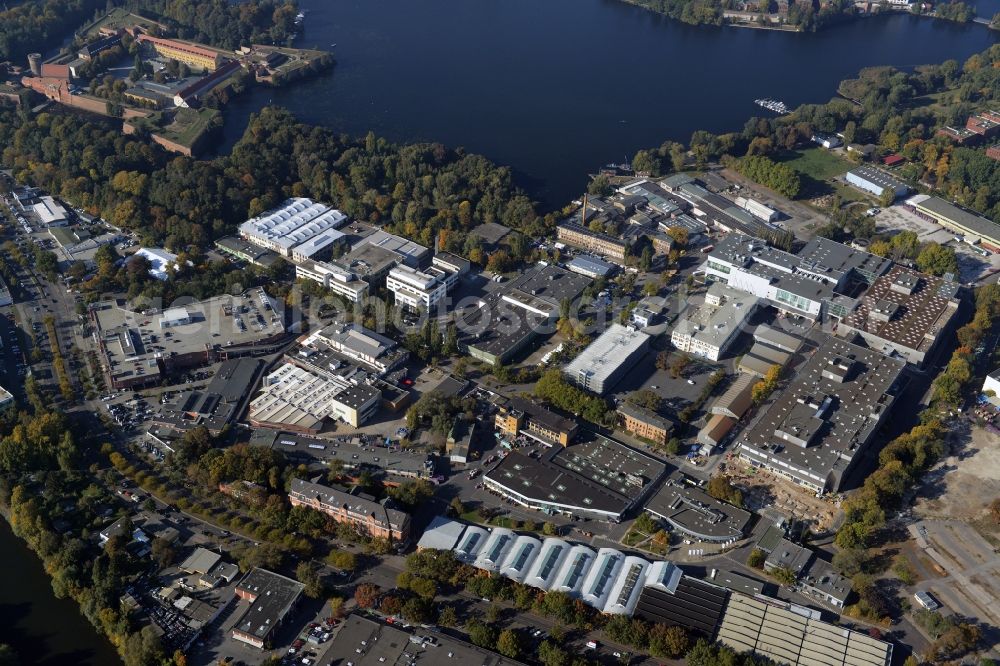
(817,163)
(189,124)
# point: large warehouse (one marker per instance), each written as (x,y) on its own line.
(294,223)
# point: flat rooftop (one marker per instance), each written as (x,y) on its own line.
(715,324)
(975,225)
(605,355)
(352,453)
(133,342)
(906,308)
(595,475)
(274,595)
(828,258)
(692,510)
(827,414)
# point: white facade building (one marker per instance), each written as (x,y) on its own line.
(338,280)
(295,222)
(416,289)
(710,329)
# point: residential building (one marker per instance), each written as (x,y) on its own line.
(822,582)
(295,222)
(372,518)
(644,423)
(819,425)
(193,55)
(95,48)
(904,313)
(827,141)
(271,598)
(993,152)
(709,330)
(582,237)
(976,229)
(341,282)
(416,289)
(876,181)
(516,416)
(960,135)
(986,124)
(649,311)
(606,360)
(598,478)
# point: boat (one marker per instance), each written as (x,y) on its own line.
(773,105)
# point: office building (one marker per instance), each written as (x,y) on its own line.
(454,267)
(516,416)
(139,348)
(417,289)
(271,598)
(817,428)
(341,282)
(372,518)
(302,400)
(876,181)
(904,313)
(318,247)
(599,478)
(295,222)
(709,330)
(606,360)
(840,264)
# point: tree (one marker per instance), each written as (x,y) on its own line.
(309,576)
(366,595)
(550,654)
(850,561)
(343,560)
(937,259)
(143,648)
(508,644)
(720,487)
(412,493)
(756,558)
(448,617)
(481,634)
(600,186)
(163,552)
(784,575)
(668,642)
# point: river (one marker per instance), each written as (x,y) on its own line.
(556,88)
(43,630)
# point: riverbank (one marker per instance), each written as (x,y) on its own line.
(41,628)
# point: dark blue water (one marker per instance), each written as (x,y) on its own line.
(556,88)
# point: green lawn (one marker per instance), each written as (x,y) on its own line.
(817,163)
(189,124)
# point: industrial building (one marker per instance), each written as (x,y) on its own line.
(904,313)
(598,478)
(349,452)
(709,330)
(357,344)
(271,598)
(50,213)
(737,399)
(374,518)
(360,641)
(516,416)
(690,510)
(509,320)
(6,400)
(816,429)
(794,635)
(245,251)
(591,267)
(876,181)
(302,400)
(218,405)
(644,423)
(606,360)
(295,222)
(579,236)
(975,229)
(138,348)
